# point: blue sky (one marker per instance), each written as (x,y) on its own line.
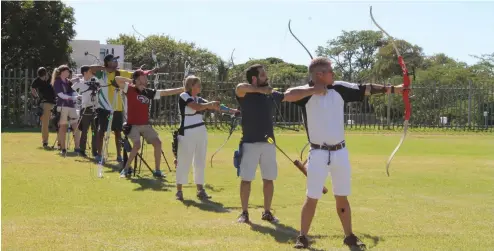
(458,29)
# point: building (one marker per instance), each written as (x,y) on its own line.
(88,52)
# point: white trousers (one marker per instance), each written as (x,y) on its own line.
(192,147)
(318,170)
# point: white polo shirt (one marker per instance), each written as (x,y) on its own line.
(188,115)
(324,115)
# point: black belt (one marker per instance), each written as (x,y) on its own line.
(329,148)
(193,126)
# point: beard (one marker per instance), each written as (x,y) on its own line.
(263,84)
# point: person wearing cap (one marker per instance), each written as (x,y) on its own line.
(139,98)
(110,100)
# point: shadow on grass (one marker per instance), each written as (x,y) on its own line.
(364,237)
(207,205)
(150,184)
(282,233)
(212,188)
(91,161)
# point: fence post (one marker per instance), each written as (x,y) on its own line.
(26,86)
(388,112)
(469,103)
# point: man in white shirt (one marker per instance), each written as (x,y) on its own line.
(322,103)
(87,87)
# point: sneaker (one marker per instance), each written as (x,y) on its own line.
(45,145)
(77,150)
(244,217)
(202,195)
(159,174)
(179,195)
(302,242)
(353,242)
(126,173)
(97,158)
(95,154)
(119,159)
(268,216)
(63,152)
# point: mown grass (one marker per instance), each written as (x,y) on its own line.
(440,196)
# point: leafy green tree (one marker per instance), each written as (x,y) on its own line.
(36,33)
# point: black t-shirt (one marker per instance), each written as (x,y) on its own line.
(257,115)
(45,90)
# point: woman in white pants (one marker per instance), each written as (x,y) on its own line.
(192,136)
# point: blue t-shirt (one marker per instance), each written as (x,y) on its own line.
(258,111)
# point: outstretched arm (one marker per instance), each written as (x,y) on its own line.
(300,92)
(245,88)
(122,82)
(371,89)
(169,92)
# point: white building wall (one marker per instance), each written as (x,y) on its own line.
(80,47)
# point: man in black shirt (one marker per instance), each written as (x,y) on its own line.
(43,90)
(256,101)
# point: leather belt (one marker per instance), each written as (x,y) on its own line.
(329,148)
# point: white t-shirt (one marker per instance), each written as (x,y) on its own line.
(82,87)
(324,115)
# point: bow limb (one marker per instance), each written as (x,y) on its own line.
(233,124)
(406,89)
(311,57)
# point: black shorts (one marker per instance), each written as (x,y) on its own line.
(103,116)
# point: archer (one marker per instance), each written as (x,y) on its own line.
(323,110)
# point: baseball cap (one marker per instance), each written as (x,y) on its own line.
(110,57)
(139,73)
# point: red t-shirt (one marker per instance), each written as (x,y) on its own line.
(137,107)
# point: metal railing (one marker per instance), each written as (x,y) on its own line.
(464,106)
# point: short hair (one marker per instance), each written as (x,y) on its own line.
(252,71)
(317,63)
(190,81)
(85,68)
(41,72)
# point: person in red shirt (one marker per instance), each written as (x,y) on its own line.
(138,100)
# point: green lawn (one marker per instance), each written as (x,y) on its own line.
(440,196)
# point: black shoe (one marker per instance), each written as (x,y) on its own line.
(45,145)
(202,195)
(302,242)
(179,196)
(353,242)
(63,152)
(268,216)
(244,217)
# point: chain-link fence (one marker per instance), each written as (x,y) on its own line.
(466,106)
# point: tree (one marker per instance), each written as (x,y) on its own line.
(36,33)
(353,53)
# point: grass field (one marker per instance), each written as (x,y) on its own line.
(440,196)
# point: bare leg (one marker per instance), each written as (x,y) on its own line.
(308,211)
(344,212)
(61,136)
(118,138)
(136,146)
(157,153)
(268,190)
(244,194)
(77,135)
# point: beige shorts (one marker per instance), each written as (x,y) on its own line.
(67,114)
(262,154)
(145,131)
